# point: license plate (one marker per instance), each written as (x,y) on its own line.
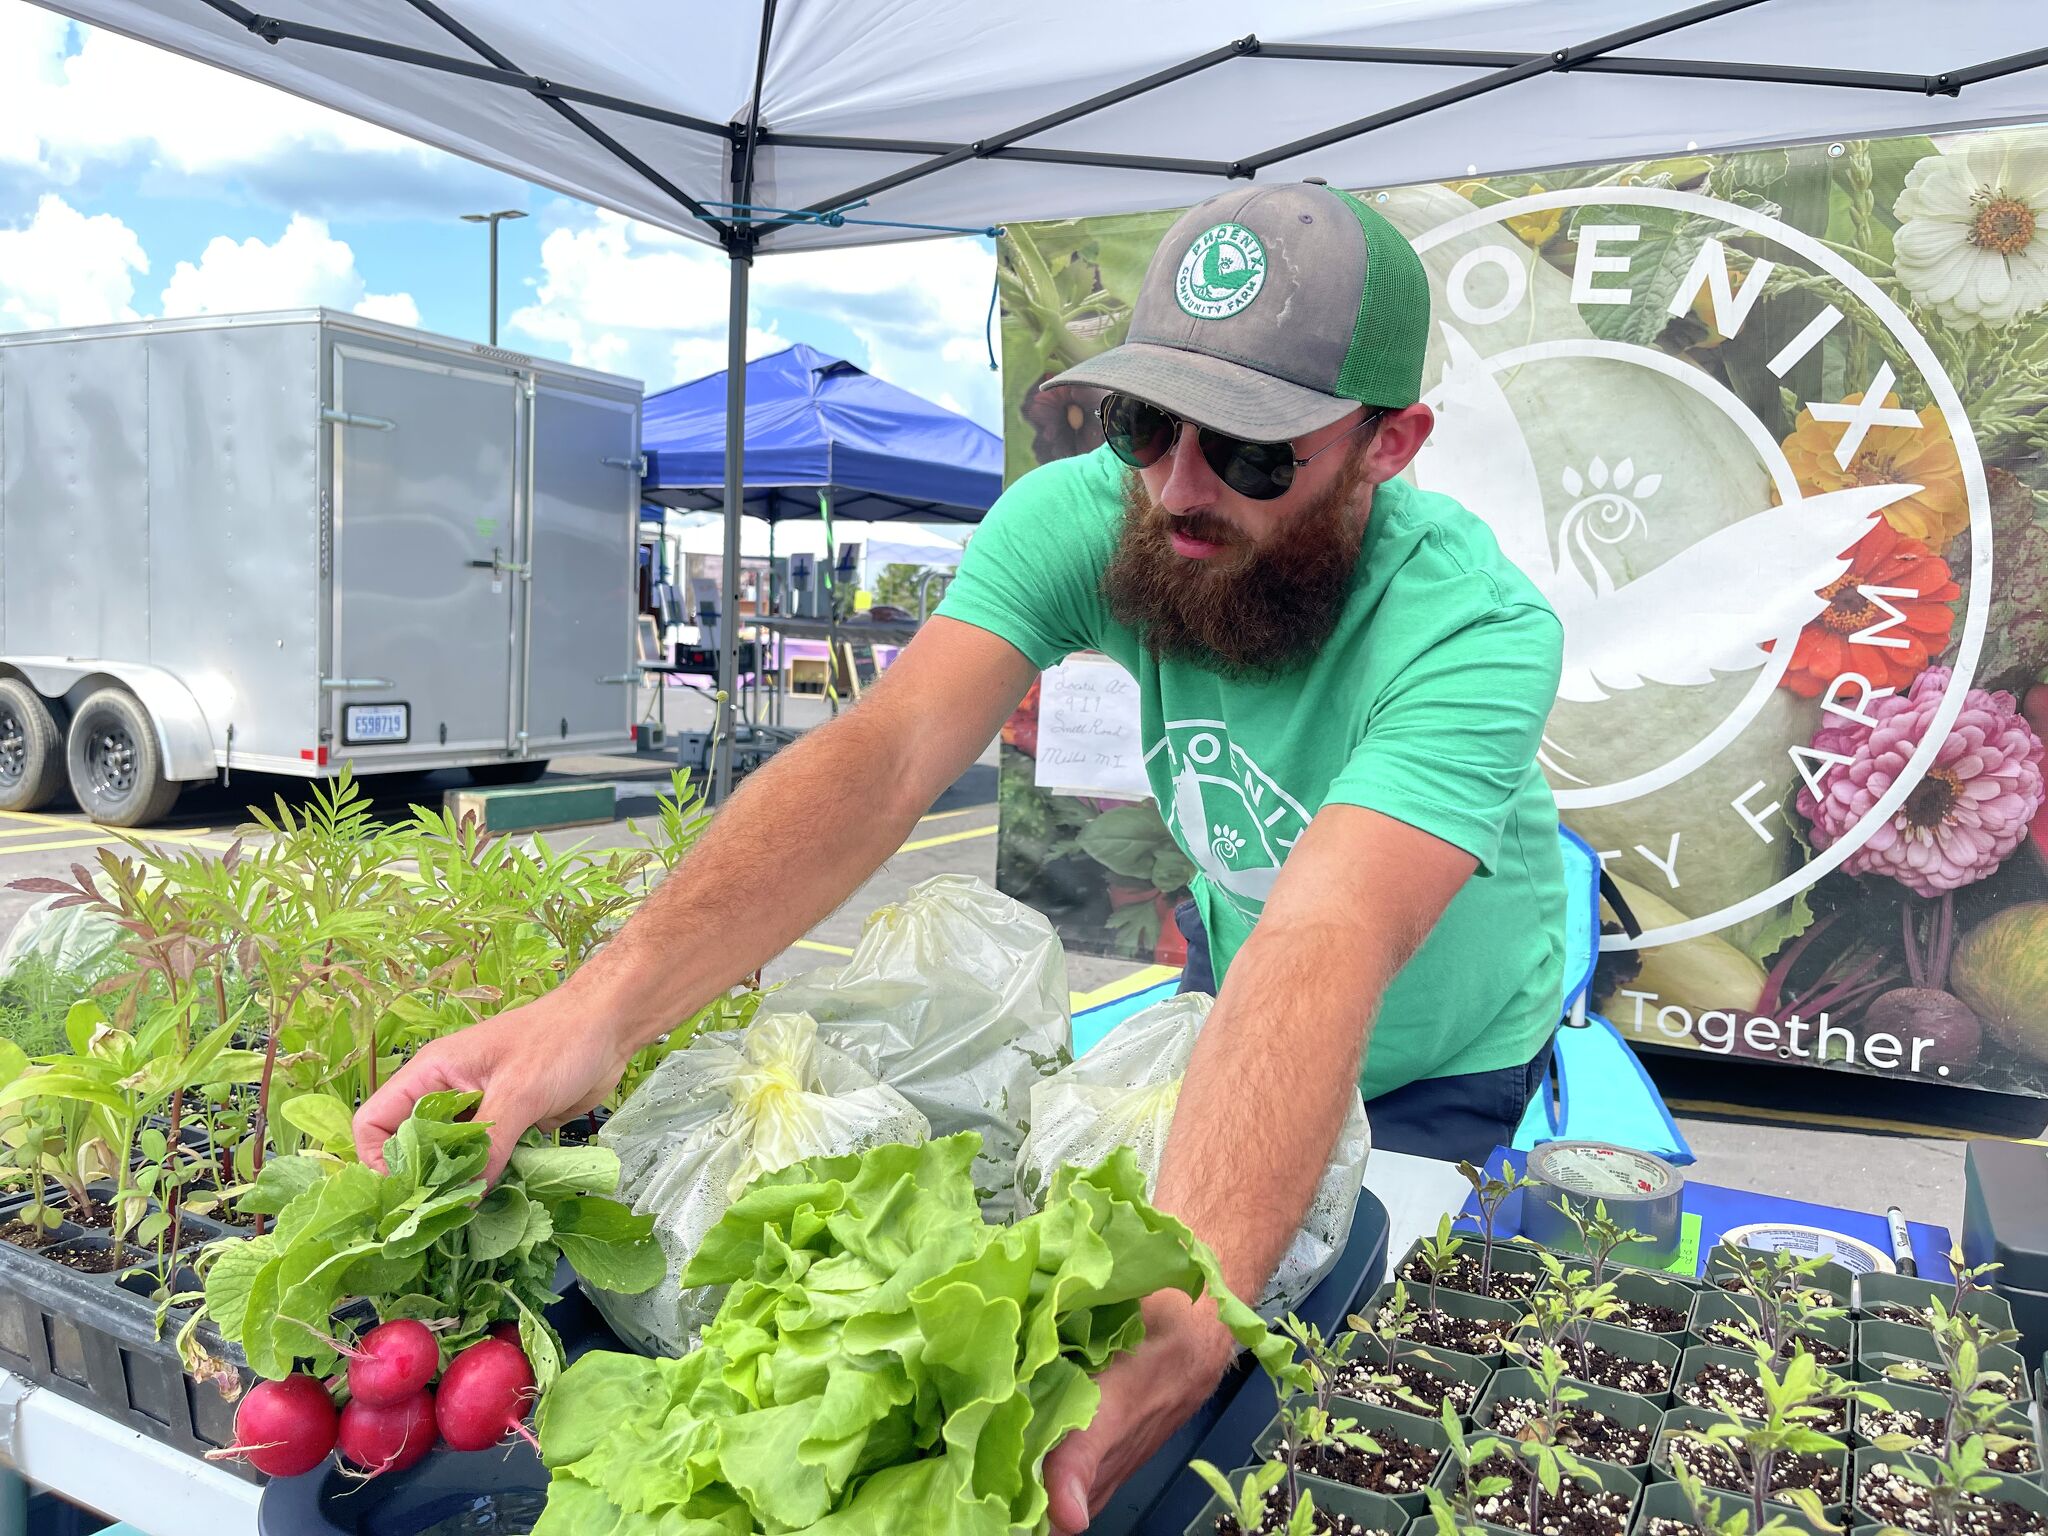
(367,724)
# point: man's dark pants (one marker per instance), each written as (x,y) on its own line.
(1466,1116)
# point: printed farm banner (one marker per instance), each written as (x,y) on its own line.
(1806,740)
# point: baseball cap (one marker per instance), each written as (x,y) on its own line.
(1268,312)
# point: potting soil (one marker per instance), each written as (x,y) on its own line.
(1717,1468)
(1661,1526)
(1576,1509)
(1929,1433)
(1715,1383)
(1400,1466)
(1502,1284)
(1745,1335)
(1584,1430)
(1883,1495)
(1646,1317)
(1469,1335)
(1274,1524)
(26,1234)
(1925,1373)
(1605,1368)
(1356,1381)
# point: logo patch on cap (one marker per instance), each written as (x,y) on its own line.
(1221,273)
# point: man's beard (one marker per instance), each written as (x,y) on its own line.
(1254,612)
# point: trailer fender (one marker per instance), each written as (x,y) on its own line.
(182,733)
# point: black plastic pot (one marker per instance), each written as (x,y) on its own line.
(1445,1364)
(1623,1407)
(1373,1511)
(1831,1278)
(1916,1292)
(2026,1492)
(1610,1477)
(1511,1255)
(1375,1421)
(1881,1345)
(1704,1354)
(506,1484)
(1666,1501)
(1456,1304)
(1702,1418)
(2021,1420)
(1711,1309)
(1643,1286)
(1646,1348)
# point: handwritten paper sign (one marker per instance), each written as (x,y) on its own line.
(1088,733)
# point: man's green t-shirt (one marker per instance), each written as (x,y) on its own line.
(1426,704)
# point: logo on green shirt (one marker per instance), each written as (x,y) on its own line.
(1228,813)
(1221,273)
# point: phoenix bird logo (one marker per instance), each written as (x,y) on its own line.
(1709,610)
(1217,283)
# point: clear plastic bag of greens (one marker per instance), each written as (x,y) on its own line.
(711,1119)
(1123,1093)
(956,997)
(50,959)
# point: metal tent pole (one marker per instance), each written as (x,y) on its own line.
(735,509)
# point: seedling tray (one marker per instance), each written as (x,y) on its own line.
(1666,1501)
(1379,1423)
(1374,1511)
(88,1338)
(1686,1417)
(1623,1407)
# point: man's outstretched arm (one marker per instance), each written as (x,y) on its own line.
(796,840)
(1266,1093)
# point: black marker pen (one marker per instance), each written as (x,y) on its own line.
(1902,1242)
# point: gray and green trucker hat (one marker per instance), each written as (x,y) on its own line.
(1269,312)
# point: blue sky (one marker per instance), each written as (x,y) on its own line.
(135,184)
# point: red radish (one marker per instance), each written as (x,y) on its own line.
(392,1362)
(484,1395)
(390,1437)
(509,1332)
(284,1427)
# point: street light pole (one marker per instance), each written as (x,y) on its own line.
(493,219)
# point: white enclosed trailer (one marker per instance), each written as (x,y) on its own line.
(291,542)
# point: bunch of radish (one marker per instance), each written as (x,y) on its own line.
(395,1412)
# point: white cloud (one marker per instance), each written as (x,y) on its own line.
(304,266)
(77,98)
(64,268)
(620,295)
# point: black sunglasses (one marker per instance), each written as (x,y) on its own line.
(1141,434)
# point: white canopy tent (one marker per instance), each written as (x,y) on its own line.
(703,533)
(761,126)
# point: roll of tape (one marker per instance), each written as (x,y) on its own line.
(1639,1190)
(1853,1254)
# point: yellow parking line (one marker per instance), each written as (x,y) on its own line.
(198,837)
(970,810)
(62,842)
(950,837)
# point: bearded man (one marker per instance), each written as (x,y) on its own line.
(1344,686)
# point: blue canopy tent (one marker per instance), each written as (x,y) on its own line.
(818,426)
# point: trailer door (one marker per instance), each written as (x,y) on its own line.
(578,641)
(426,476)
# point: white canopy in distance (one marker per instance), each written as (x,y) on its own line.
(882,544)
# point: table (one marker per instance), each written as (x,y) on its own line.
(785,628)
(125,1476)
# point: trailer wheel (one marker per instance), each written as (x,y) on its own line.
(116,768)
(522,770)
(31,749)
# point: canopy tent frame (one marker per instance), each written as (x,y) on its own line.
(741,234)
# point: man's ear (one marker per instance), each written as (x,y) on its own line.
(1398,438)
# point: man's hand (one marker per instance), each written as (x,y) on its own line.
(1146,1396)
(542,1064)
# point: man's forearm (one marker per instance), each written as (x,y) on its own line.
(796,840)
(1266,1092)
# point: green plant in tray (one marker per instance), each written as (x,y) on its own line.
(1599,1234)
(1312,1378)
(1489,1193)
(1439,1255)
(1795,1401)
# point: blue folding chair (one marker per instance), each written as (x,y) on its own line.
(1597,1089)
